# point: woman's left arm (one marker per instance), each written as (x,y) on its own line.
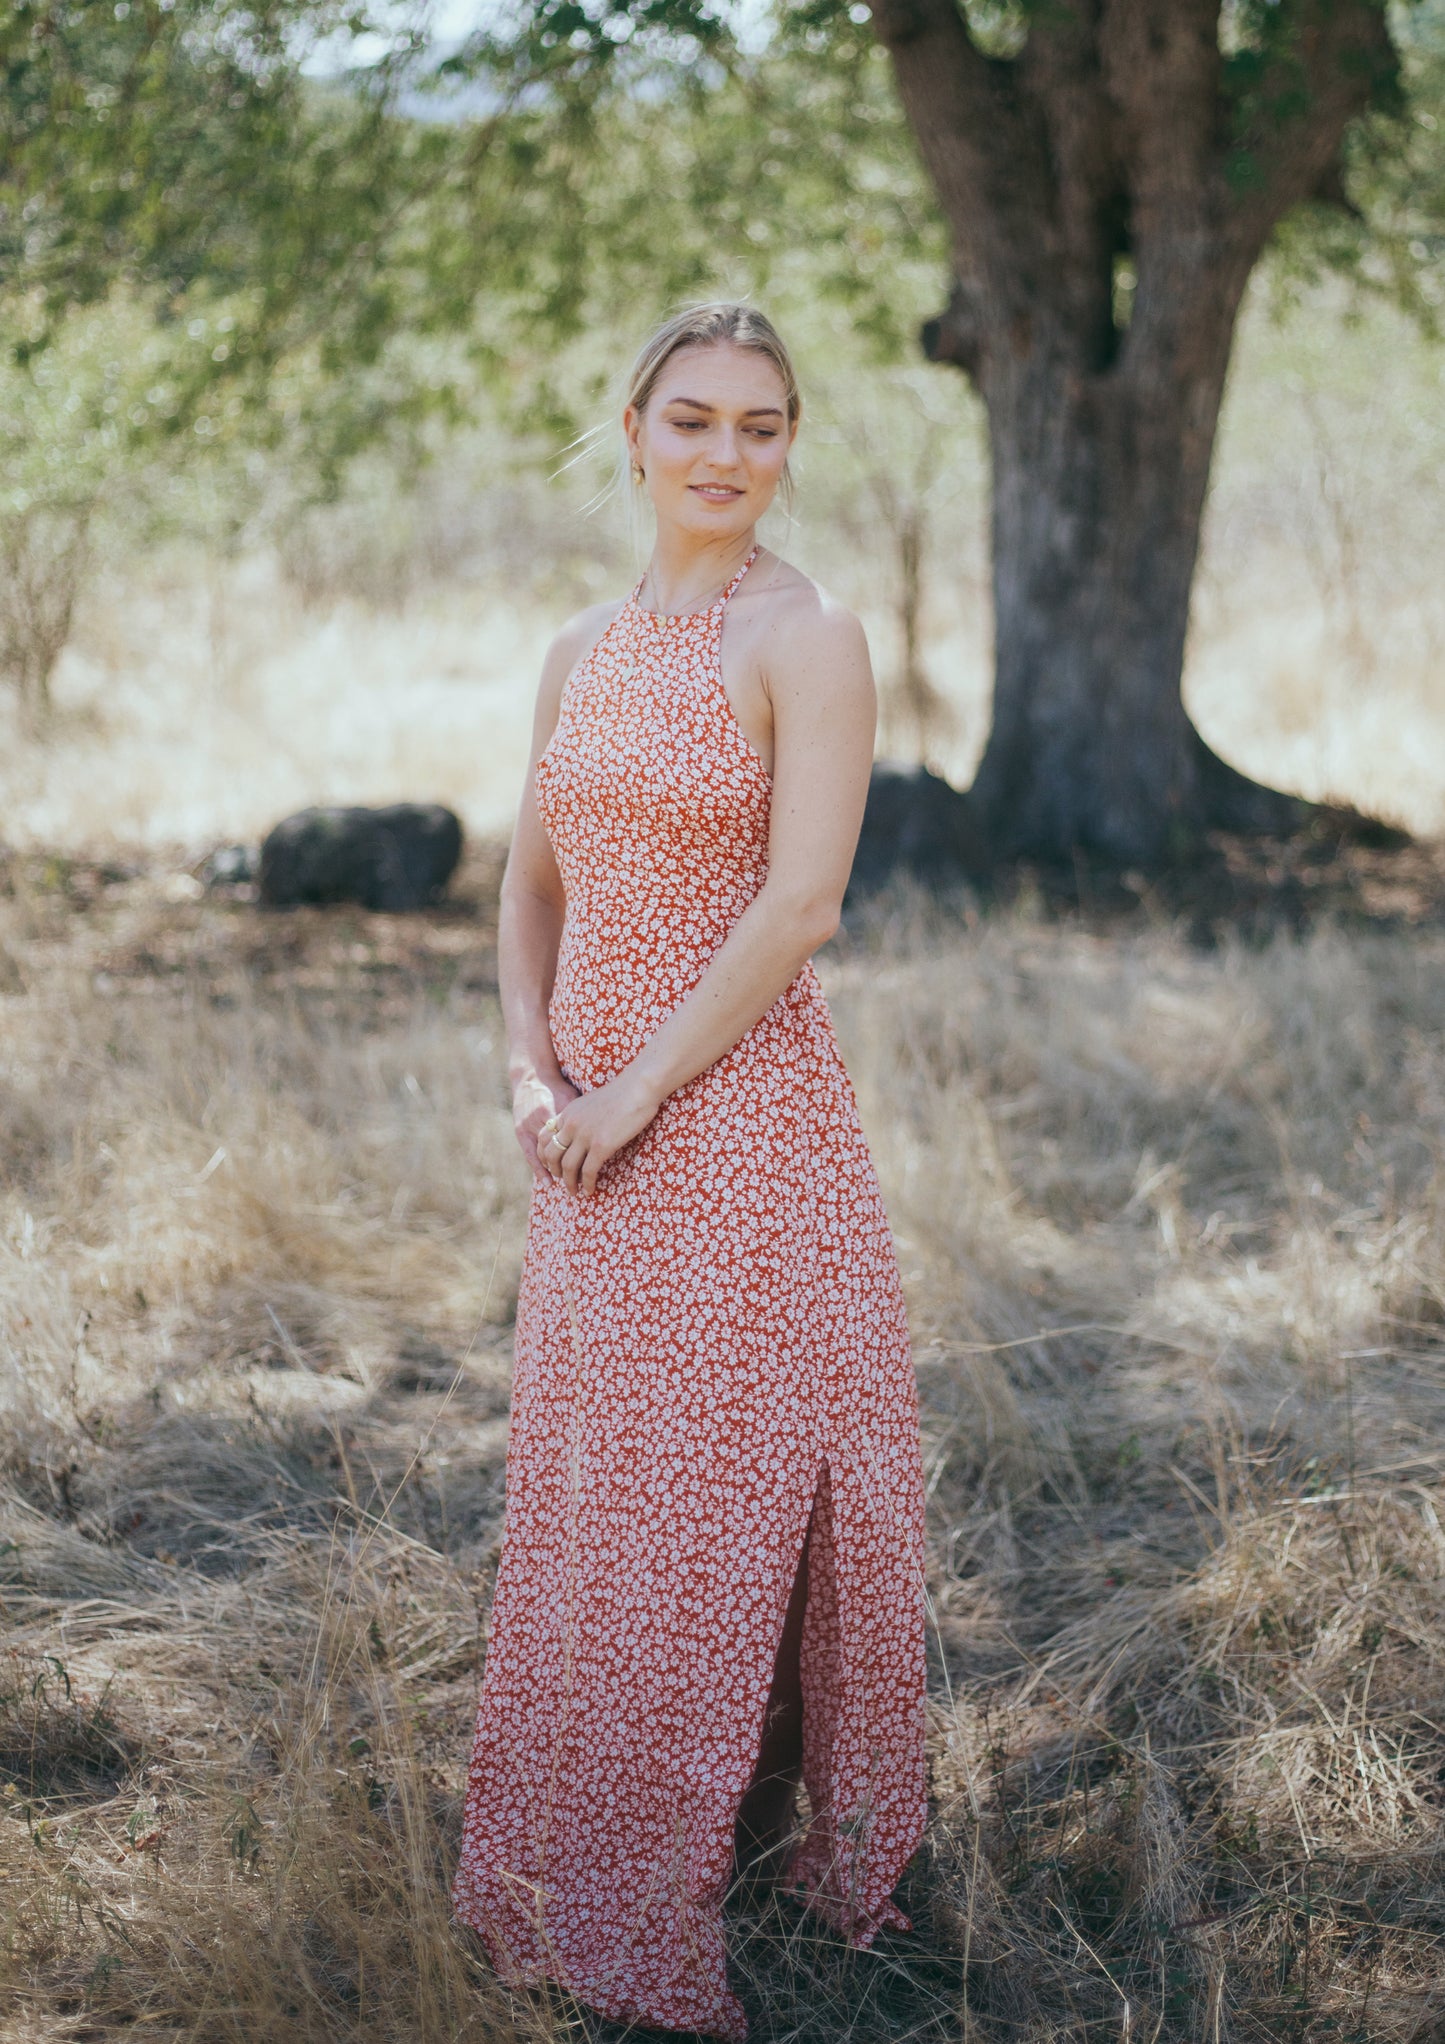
(824,717)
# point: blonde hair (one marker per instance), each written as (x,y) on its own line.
(725,322)
(719,322)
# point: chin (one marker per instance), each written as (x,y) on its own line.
(698,516)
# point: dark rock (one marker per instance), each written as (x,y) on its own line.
(915,822)
(396,858)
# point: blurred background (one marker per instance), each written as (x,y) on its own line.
(228,645)
(291,498)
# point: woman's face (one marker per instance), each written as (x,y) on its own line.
(713,440)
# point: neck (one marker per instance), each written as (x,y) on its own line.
(685,572)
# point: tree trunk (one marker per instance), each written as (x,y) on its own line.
(44,554)
(1099,484)
(1122,146)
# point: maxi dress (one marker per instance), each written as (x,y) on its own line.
(707,1347)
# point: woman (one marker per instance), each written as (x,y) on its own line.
(711,1578)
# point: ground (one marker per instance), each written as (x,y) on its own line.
(1171,1215)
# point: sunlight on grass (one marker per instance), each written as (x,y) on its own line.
(378,659)
(1171,1220)
(1173,1233)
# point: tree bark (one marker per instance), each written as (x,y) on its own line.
(1098,491)
(1109,191)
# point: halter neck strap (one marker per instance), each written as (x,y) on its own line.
(739,576)
(705,610)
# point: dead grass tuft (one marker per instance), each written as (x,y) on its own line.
(1171,1226)
(53,1740)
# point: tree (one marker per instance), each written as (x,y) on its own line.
(168,144)
(1110,173)
(207,253)
(1110,186)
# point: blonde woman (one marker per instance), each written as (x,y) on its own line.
(710,1584)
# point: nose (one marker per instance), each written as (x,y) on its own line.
(723,452)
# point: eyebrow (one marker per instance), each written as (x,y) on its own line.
(756,411)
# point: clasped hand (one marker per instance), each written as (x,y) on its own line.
(573,1140)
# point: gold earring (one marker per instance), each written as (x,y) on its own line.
(638,475)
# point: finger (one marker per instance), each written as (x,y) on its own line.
(592,1168)
(573,1159)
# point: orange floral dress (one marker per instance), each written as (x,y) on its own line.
(710,1343)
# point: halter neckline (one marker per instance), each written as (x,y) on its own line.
(676,617)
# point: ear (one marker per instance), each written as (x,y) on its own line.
(632,431)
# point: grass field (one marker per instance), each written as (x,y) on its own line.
(1172,1231)
(1171,1218)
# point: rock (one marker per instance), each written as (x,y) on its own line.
(228,866)
(396,858)
(915,822)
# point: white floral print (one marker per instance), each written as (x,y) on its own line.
(712,1342)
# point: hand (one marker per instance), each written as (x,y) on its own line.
(534,1102)
(576,1144)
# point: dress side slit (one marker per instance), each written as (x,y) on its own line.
(767,1812)
(720,1325)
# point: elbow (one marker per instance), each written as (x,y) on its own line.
(826,917)
(520,895)
(813,918)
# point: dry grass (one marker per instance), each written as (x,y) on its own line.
(1173,1230)
(392,653)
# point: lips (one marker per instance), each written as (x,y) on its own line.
(715,493)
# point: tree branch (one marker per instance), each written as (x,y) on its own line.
(1161,63)
(979,148)
(1326,62)
(956,335)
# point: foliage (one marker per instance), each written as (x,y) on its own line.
(793,176)
(173,141)
(72,419)
(177,158)
(183,153)
(122,432)
(191,268)
(814,98)
(1390,238)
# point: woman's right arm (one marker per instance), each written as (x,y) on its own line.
(532,908)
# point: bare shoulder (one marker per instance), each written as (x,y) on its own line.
(802,627)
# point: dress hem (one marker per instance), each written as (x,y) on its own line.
(731,2029)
